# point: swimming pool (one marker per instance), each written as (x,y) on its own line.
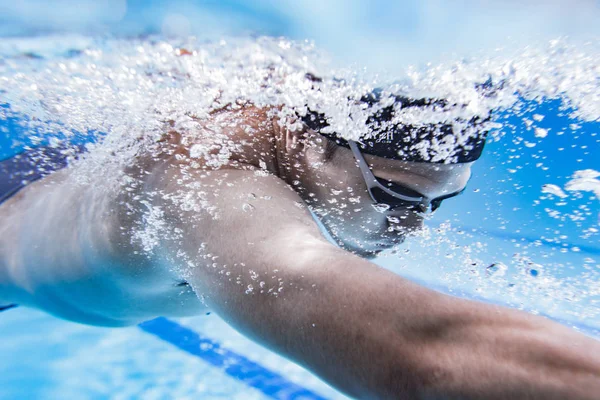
(517,237)
(44,357)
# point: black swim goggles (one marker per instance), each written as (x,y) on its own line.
(393,194)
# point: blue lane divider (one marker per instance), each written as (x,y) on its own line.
(233,364)
(8,307)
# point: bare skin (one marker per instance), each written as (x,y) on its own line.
(68,249)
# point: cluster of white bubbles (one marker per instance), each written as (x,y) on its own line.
(129,92)
(129,89)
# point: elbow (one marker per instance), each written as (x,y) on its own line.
(412,377)
(431,353)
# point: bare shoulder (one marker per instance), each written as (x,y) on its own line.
(235,211)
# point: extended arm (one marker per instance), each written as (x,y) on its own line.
(265,268)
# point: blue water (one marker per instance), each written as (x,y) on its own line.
(505,203)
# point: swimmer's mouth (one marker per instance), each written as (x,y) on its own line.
(395,235)
(389,244)
(385,243)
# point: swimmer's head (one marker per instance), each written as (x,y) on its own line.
(371,193)
(329,177)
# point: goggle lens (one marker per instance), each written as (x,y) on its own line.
(382,197)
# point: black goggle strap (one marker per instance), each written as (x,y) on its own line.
(435,203)
(372,182)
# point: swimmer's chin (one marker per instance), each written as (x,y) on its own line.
(368,255)
(370,252)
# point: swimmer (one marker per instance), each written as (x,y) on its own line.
(239,238)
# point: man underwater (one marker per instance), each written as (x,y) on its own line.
(235,234)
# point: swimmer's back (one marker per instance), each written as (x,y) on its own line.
(99,266)
(78,274)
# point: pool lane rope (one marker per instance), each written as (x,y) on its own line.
(8,307)
(235,365)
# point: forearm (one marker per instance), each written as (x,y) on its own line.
(502,353)
(373,334)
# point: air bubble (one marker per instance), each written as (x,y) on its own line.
(380,207)
(496,270)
